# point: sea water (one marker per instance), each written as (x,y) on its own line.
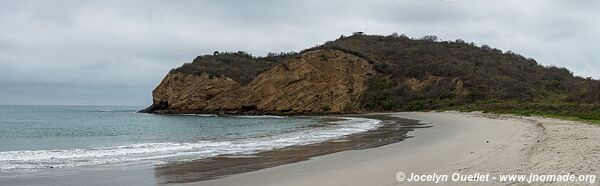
(34,138)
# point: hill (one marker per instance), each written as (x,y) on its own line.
(364,73)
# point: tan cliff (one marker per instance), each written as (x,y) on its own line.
(320,81)
(374,73)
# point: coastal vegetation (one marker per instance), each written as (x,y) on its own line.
(240,66)
(428,74)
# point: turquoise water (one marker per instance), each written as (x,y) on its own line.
(42,137)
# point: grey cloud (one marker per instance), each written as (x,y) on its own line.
(115,52)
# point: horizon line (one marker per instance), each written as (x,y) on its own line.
(72,105)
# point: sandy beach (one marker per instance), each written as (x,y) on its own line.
(458,143)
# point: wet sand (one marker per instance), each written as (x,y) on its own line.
(464,143)
(394,129)
(158,172)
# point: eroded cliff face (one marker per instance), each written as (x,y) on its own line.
(321,81)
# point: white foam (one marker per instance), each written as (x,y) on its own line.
(262,116)
(200,115)
(38,159)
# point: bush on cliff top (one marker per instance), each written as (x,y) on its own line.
(239,66)
(457,74)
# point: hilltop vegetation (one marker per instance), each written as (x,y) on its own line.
(240,66)
(427,74)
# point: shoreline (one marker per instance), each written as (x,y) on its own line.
(353,132)
(465,143)
(391,131)
(440,143)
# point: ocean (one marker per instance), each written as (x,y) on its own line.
(37,138)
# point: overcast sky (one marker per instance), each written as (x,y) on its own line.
(115,52)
